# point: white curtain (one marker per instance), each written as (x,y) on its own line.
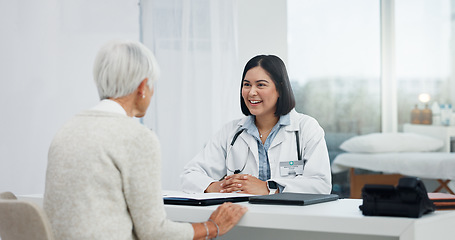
(199,88)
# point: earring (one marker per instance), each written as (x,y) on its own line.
(143,95)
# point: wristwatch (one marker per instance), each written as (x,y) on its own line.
(272,186)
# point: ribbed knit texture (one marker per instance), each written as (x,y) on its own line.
(103,181)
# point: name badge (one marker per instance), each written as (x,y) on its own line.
(291,168)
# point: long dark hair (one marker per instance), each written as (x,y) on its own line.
(276,69)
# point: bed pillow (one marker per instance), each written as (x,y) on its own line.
(391,142)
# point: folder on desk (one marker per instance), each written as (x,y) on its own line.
(204,199)
(293,198)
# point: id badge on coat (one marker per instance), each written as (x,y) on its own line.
(291,168)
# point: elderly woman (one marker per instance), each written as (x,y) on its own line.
(103,176)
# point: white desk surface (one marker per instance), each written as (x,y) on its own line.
(341,216)
(341,219)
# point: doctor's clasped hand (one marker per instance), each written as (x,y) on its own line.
(240,183)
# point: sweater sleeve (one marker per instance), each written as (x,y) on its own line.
(141,177)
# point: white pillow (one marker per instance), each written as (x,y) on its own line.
(391,142)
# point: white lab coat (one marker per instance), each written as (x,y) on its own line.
(210,164)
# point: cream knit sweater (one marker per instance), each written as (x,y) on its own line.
(103,181)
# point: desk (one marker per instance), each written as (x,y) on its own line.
(340,220)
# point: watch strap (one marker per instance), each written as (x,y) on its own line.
(272,186)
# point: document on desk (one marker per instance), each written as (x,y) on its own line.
(442,201)
(293,198)
(202,199)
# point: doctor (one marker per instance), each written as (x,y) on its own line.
(273,149)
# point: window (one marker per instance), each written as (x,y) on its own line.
(334,63)
(335,68)
(424,39)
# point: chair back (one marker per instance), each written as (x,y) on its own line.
(7,195)
(22,220)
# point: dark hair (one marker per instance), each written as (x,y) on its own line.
(276,69)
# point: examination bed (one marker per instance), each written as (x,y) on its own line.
(439,166)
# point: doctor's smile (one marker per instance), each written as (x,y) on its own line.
(255,102)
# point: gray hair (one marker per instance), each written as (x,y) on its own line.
(121,66)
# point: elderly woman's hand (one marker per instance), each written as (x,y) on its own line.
(227,216)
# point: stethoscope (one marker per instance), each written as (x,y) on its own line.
(237,134)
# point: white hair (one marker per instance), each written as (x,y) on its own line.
(120,66)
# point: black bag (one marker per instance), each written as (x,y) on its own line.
(408,199)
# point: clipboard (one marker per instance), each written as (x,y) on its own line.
(300,199)
(204,199)
(202,202)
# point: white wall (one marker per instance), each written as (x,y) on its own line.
(46,53)
(262,28)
